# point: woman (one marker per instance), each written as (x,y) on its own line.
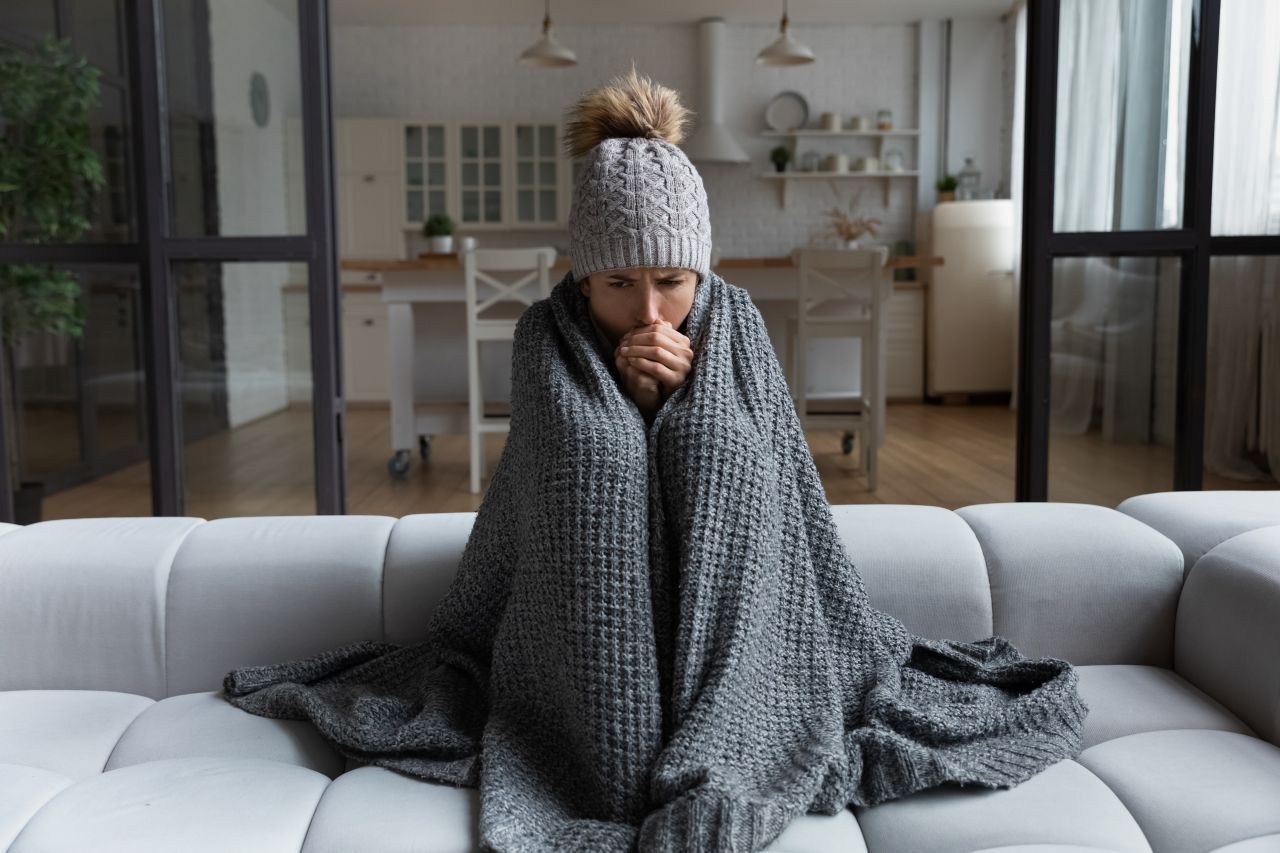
(655,639)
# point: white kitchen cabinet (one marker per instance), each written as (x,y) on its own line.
(369,180)
(367,145)
(539,175)
(365,348)
(427,152)
(834,363)
(365,367)
(481,168)
(904,345)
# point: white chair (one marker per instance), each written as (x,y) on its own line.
(494,318)
(843,293)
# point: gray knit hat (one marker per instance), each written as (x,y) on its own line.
(638,201)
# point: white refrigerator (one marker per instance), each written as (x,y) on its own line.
(972,306)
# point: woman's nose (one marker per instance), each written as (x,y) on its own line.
(650,304)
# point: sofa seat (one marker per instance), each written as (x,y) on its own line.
(103,756)
(196,805)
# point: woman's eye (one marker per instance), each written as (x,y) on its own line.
(619,284)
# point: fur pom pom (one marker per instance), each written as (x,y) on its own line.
(628,106)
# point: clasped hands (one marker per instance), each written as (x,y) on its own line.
(652,362)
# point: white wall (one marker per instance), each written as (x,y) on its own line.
(977,100)
(1008,79)
(253,199)
(469,73)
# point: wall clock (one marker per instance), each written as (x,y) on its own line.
(259,99)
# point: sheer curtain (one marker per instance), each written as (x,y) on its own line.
(1114,142)
(1242,393)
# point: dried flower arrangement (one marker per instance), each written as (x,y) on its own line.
(848,225)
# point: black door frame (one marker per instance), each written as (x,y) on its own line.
(156,249)
(1192,243)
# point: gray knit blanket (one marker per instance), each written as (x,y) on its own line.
(655,640)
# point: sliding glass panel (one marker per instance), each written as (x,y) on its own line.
(104,125)
(82,431)
(27,20)
(1121,124)
(235,125)
(1246,134)
(245,388)
(1112,361)
(1242,388)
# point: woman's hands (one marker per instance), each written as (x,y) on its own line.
(653,361)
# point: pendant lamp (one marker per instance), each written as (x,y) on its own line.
(784,50)
(547,53)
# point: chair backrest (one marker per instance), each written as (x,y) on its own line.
(503,301)
(841,280)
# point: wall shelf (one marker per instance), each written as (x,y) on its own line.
(819,132)
(785,178)
(880,136)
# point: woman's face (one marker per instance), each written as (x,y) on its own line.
(625,299)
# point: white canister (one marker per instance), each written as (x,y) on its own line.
(841,163)
(859,123)
(831,121)
(870,164)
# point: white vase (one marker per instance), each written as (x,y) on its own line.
(851,244)
(441,244)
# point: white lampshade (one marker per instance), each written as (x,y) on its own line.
(547,53)
(784,50)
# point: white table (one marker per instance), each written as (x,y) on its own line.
(412,422)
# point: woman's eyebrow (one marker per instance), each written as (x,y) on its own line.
(675,274)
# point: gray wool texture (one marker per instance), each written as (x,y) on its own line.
(638,202)
(655,639)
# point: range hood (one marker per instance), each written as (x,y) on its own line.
(711,141)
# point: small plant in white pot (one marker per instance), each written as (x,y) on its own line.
(439,231)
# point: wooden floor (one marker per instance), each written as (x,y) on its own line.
(948,456)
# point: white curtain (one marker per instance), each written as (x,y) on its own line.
(1113,55)
(1242,406)
(1015,170)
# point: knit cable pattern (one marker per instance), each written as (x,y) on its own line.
(639,202)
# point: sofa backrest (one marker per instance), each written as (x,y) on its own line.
(166,606)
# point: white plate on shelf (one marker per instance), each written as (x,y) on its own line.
(787,111)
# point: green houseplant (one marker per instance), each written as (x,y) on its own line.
(49,174)
(947,187)
(780,156)
(439,229)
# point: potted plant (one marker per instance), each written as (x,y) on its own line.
(49,173)
(780,156)
(439,229)
(947,188)
(847,226)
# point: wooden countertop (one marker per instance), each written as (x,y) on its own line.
(451,262)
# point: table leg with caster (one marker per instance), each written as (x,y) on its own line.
(400,355)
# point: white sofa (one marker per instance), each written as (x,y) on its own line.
(115,635)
